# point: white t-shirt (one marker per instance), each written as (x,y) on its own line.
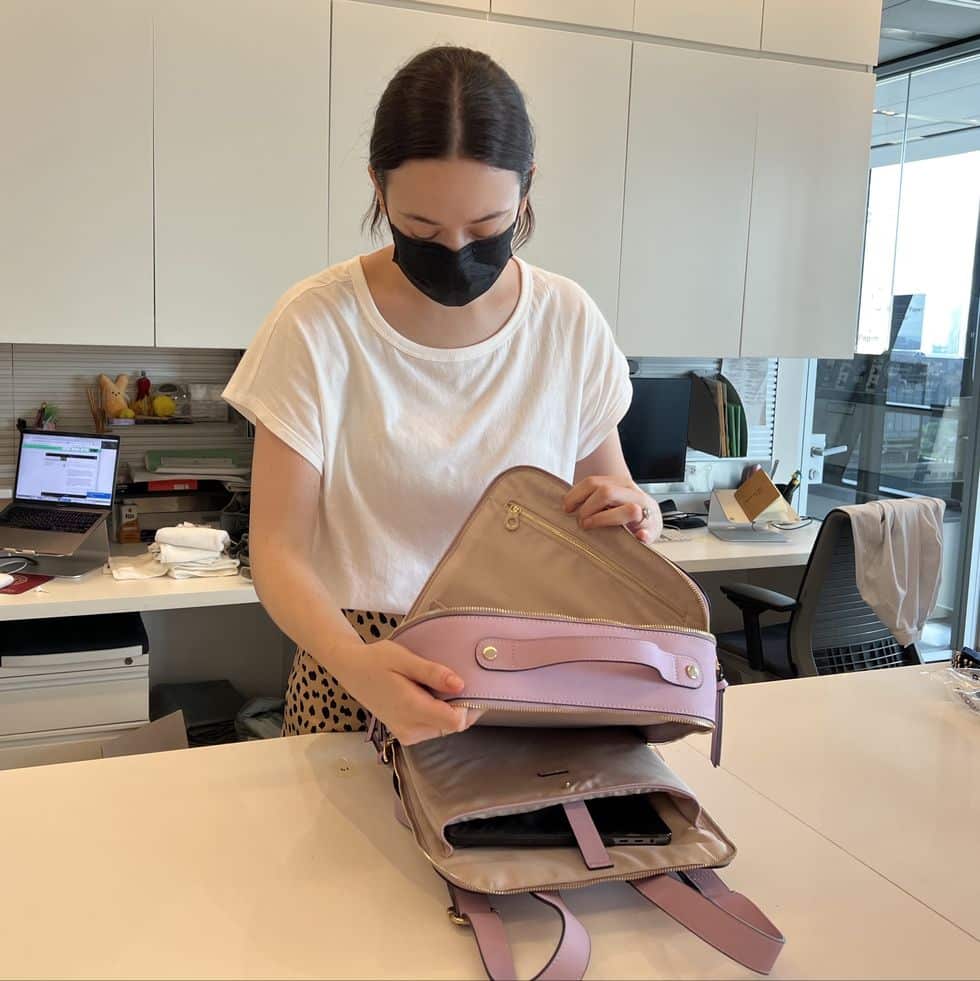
(407,437)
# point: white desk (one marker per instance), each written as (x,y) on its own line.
(265,860)
(99,593)
(882,762)
(703,552)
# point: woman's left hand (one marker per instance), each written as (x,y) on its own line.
(602,501)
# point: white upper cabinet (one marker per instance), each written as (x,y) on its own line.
(808,211)
(688,190)
(242,102)
(835,30)
(371,43)
(737,23)
(615,15)
(577,92)
(76,166)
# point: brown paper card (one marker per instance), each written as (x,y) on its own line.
(756,494)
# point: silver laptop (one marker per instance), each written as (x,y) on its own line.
(63,492)
(743,532)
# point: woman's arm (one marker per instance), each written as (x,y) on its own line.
(384,676)
(605,494)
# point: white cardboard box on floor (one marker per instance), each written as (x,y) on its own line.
(155,737)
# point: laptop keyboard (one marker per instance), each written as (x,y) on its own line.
(49,519)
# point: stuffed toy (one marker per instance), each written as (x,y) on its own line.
(114,396)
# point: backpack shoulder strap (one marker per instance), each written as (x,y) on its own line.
(569,961)
(732,924)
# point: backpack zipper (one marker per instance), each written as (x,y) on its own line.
(515,512)
(547,615)
(643,718)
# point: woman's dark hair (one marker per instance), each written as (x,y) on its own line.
(453,102)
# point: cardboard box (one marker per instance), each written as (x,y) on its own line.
(160,736)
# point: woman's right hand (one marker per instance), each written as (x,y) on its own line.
(388,679)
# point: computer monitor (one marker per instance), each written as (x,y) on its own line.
(654,431)
(67,468)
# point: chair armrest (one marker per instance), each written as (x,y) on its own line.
(754,598)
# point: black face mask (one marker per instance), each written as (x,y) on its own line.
(452,278)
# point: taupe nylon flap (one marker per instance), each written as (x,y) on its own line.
(486,772)
(520,551)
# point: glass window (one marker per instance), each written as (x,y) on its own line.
(899,416)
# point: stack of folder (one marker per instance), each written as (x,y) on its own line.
(718,424)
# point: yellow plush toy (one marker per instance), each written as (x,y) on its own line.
(114,399)
(164,406)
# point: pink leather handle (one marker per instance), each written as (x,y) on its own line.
(703,904)
(587,836)
(526,654)
(569,962)
(719,718)
(727,920)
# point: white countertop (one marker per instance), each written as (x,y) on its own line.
(282,859)
(100,593)
(883,762)
(703,552)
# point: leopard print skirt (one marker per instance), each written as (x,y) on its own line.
(315,700)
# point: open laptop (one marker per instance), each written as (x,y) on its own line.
(63,491)
(727,521)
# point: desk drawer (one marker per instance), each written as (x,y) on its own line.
(73,700)
(70,664)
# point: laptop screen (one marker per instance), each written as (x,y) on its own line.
(62,469)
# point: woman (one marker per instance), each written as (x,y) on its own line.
(389,390)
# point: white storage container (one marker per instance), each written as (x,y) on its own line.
(30,705)
(71,673)
(207,404)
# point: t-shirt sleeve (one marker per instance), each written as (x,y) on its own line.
(276,383)
(606,390)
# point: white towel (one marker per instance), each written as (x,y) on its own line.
(129,567)
(898,557)
(193,570)
(198,561)
(172,554)
(194,536)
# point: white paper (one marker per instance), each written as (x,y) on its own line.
(748,375)
(145,476)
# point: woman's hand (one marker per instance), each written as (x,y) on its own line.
(384,676)
(388,679)
(602,501)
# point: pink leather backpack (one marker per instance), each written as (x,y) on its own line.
(578,649)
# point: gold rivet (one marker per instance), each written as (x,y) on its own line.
(489,653)
(692,672)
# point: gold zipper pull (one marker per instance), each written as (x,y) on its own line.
(513,521)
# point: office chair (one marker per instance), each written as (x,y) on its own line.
(830,629)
